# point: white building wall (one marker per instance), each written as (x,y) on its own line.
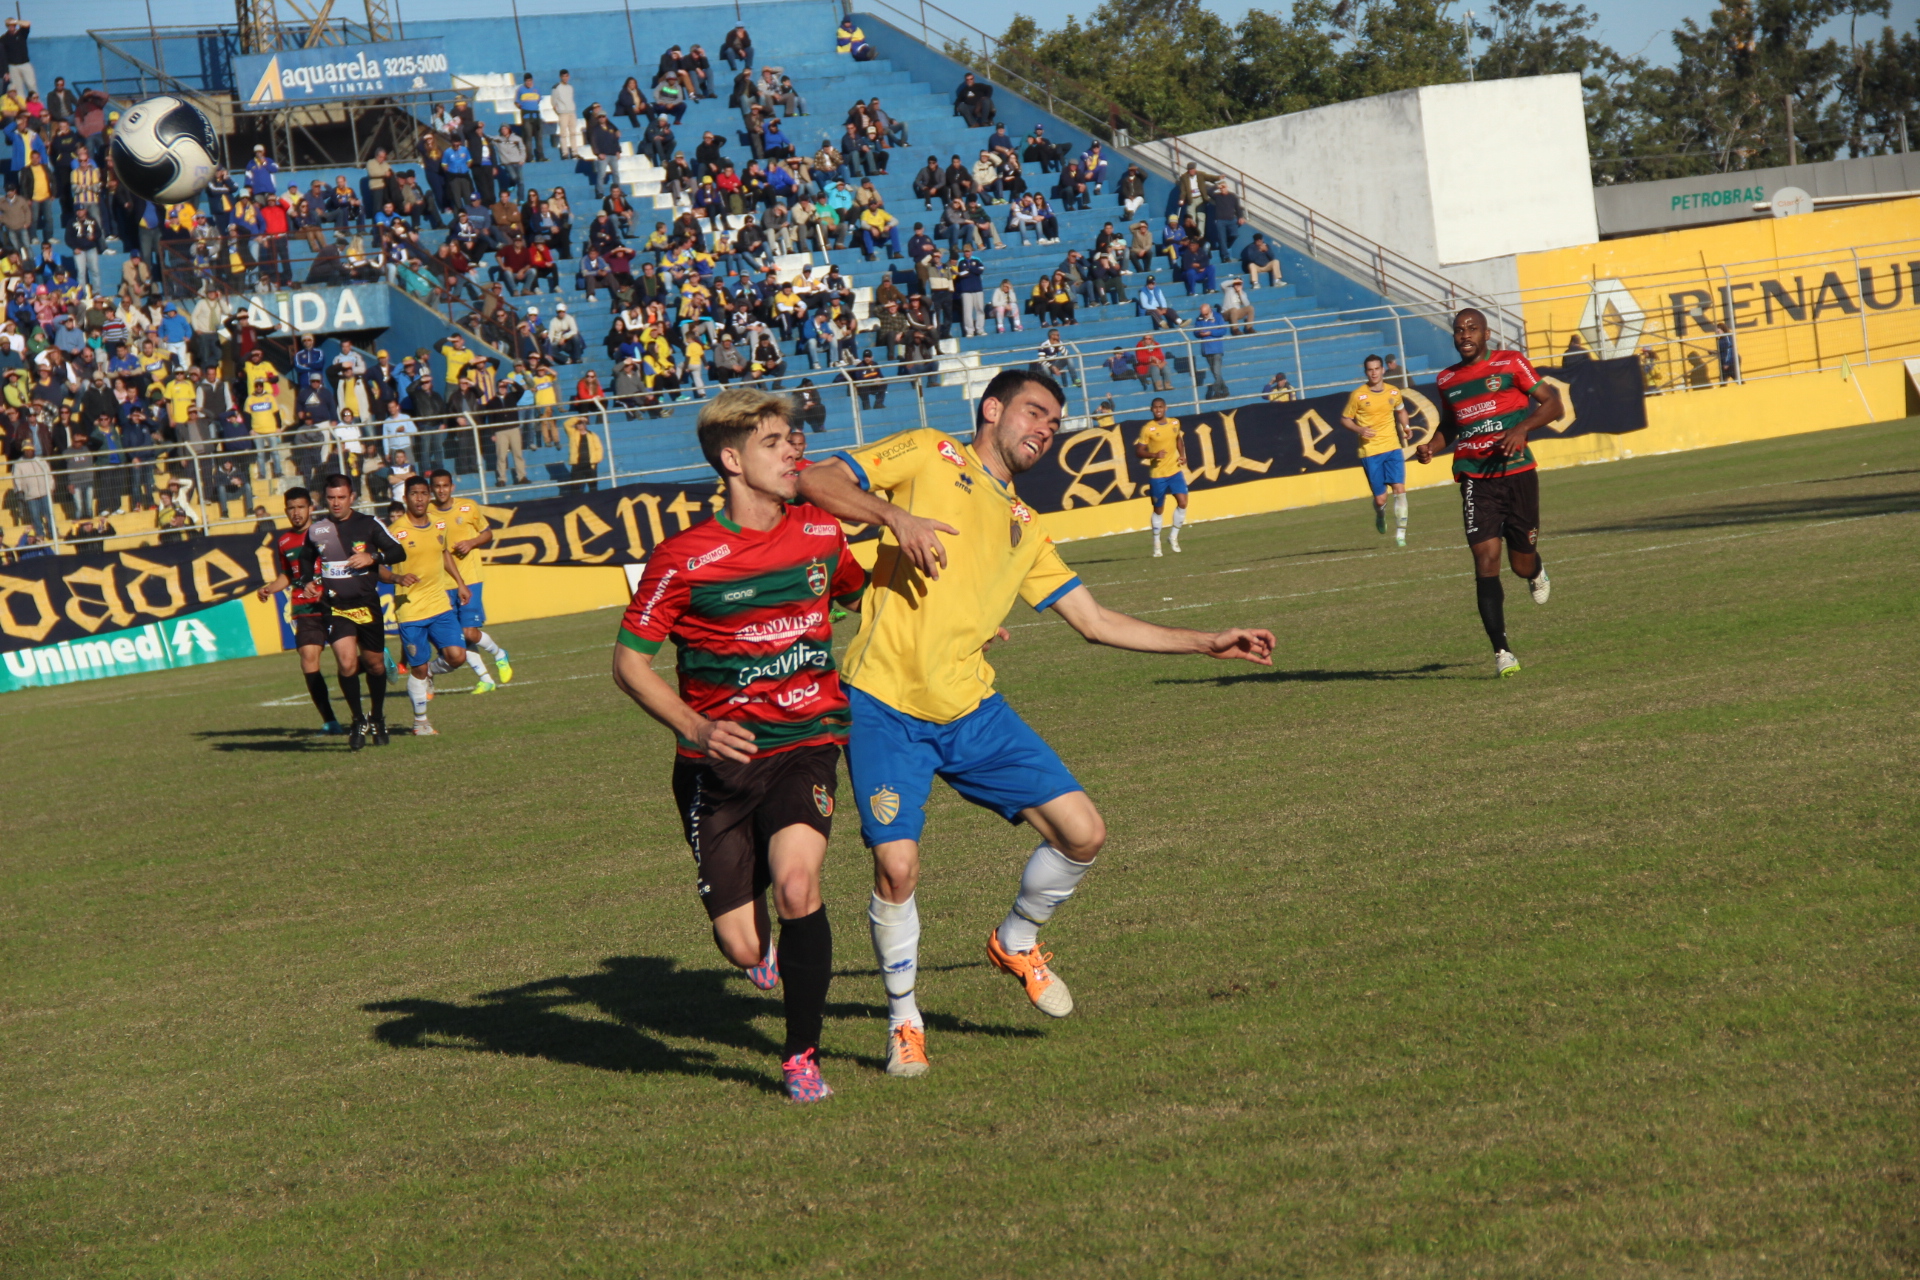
(1456,177)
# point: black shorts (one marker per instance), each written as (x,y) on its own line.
(1502,507)
(731,811)
(310,628)
(362,623)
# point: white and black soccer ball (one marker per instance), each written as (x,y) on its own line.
(163,150)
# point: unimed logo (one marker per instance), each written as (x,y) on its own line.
(153,647)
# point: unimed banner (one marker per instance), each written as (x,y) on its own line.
(53,599)
(211,635)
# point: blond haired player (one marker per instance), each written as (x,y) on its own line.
(921,691)
(1163,444)
(1377,413)
(468,532)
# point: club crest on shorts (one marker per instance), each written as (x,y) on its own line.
(817,578)
(884,805)
(823,800)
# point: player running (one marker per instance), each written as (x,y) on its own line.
(921,690)
(1163,444)
(468,531)
(759,716)
(351,547)
(427,599)
(296,567)
(1490,401)
(1377,413)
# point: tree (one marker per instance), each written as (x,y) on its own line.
(1881,95)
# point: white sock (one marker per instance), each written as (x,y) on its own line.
(1400,510)
(488,647)
(1156,526)
(1049,880)
(896,945)
(479,667)
(417,691)
(1179,517)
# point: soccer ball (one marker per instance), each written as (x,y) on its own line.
(163,150)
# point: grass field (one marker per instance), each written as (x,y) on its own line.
(1389,969)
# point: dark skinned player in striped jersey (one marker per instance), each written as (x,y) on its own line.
(1490,400)
(759,717)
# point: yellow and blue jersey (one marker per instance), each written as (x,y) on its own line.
(1162,439)
(426,561)
(1377,411)
(919,649)
(459,522)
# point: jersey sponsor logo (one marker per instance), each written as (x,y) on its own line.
(359,616)
(887,455)
(951,453)
(774,629)
(884,805)
(720,552)
(821,530)
(817,579)
(788,699)
(823,800)
(335,569)
(964,482)
(1022,513)
(659,591)
(744,593)
(789,662)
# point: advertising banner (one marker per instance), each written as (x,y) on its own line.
(342,309)
(49,600)
(331,73)
(211,635)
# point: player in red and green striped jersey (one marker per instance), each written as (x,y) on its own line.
(1491,400)
(759,716)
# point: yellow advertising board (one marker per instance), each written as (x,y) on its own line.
(1794,294)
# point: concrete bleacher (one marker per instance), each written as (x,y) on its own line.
(915,84)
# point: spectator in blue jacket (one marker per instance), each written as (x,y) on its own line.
(262,174)
(1213,348)
(967,282)
(527,99)
(308,360)
(1258,260)
(176,331)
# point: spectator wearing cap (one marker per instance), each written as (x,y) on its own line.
(1258,260)
(33,482)
(262,174)
(1152,302)
(175,331)
(13,47)
(563,337)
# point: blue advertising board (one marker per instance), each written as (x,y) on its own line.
(331,73)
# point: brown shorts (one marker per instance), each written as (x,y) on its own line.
(310,628)
(731,811)
(1502,507)
(363,624)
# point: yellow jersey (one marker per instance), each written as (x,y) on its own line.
(180,396)
(263,412)
(457,359)
(1163,447)
(459,522)
(920,641)
(426,560)
(546,387)
(1378,411)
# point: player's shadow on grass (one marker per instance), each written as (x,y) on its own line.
(1319,675)
(1733,515)
(276,738)
(619,1019)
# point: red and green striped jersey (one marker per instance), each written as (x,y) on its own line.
(748,613)
(1483,399)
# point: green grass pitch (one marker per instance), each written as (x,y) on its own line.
(1389,969)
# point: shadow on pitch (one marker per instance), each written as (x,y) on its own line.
(276,738)
(621,1017)
(1733,515)
(1317,675)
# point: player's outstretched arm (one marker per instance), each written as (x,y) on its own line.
(830,485)
(634,675)
(1101,625)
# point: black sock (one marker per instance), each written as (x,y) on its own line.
(350,690)
(806,967)
(377,686)
(317,690)
(1493,609)
(1539,567)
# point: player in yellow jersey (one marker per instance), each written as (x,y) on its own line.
(1377,413)
(426,586)
(1163,444)
(468,534)
(921,690)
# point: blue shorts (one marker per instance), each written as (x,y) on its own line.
(418,640)
(990,756)
(1158,487)
(1384,469)
(474,612)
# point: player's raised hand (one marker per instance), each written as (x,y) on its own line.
(725,740)
(919,541)
(1242,642)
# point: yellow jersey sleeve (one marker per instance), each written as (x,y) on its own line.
(1049,578)
(468,521)
(896,460)
(1353,404)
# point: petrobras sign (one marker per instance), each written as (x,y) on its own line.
(210,635)
(345,309)
(329,73)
